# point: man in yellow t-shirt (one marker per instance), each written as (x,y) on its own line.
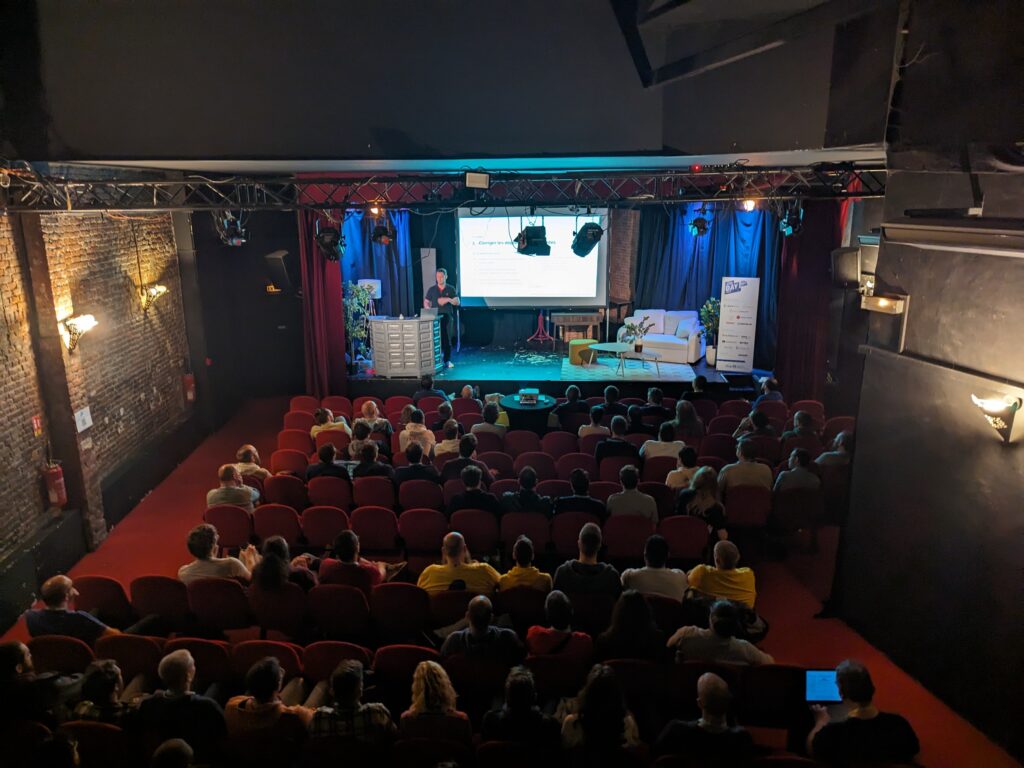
(724,580)
(457,565)
(524,573)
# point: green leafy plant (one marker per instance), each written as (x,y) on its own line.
(357,309)
(637,331)
(710,314)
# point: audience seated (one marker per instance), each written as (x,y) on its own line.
(326,467)
(490,422)
(55,618)
(102,686)
(360,438)
(769,391)
(842,447)
(248,463)
(719,643)
(655,578)
(494,398)
(175,712)
(632,633)
(616,444)
(28,695)
(600,721)
(655,408)
(348,568)
(594,427)
(711,740)
(470,392)
(474,497)
(665,445)
(803,426)
(416,431)
(260,713)
(865,735)
(348,717)
(558,638)
(519,719)
(586,574)
(724,580)
(368,465)
(416,469)
(686,467)
(445,414)
(699,389)
(799,474)
(276,568)
(481,639)
(232,490)
(630,501)
(526,499)
(581,500)
(202,545)
(372,419)
(524,573)
(756,424)
(432,713)
(452,435)
(406,415)
(458,565)
(427,390)
(173,753)
(612,406)
(701,500)
(747,470)
(635,424)
(324,420)
(452,470)
(687,422)
(574,404)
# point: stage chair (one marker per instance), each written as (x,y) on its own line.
(714,462)
(377,529)
(835,425)
(287,490)
(479,528)
(768,448)
(519,441)
(723,425)
(105,599)
(420,493)
(58,653)
(625,536)
(737,408)
(748,507)
(508,485)
(219,604)
(429,403)
(294,440)
(774,409)
(602,489)
(706,409)
(233,524)
(656,468)
(277,520)
(469,420)
(461,405)
(554,488)
(722,446)
(588,443)
(565,531)
(488,442)
(400,612)
(570,461)
(608,471)
(320,659)
(558,444)
(664,496)
(330,492)
(533,525)
(298,420)
(303,403)
(373,491)
(687,537)
(451,489)
(212,658)
(500,461)
(163,596)
(542,463)
(282,610)
(808,442)
(289,460)
(339,405)
(337,437)
(422,531)
(448,607)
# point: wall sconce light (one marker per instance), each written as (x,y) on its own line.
(75,328)
(150,295)
(898,304)
(999,412)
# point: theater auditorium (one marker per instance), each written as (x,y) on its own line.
(605,383)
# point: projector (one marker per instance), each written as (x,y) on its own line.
(529,396)
(533,241)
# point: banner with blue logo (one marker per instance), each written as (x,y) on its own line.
(737,326)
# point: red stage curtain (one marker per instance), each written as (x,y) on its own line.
(323,315)
(805,283)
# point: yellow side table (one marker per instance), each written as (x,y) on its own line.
(577,347)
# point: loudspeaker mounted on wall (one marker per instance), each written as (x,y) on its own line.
(282,273)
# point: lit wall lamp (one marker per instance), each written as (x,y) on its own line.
(75,328)
(999,412)
(889,305)
(150,295)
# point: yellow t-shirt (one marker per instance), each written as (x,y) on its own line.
(479,577)
(529,576)
(736,584)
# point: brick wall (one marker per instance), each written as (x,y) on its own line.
(623,232)
(21,453)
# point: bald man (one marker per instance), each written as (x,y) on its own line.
(481,640)
(458,566)
(56,617)
(725,580)
(709,739)
(232,490)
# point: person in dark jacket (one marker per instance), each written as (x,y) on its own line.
(635,422)
(617,445)
(481,639)
(416,469)
(612,406)
(519,719)
(474,497)
(632,633)
(655,406)
(427,390)
(581,500)
(452,470)
(526,499)
(370,467)
(326,466)
(586,574)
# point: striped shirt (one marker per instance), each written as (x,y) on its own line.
(368,722)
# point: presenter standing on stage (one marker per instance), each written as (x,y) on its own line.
(443,297)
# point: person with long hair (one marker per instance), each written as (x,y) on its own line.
(276,568)
(687,423)
(701,500)
(632,633)
(601,721)
(432,713)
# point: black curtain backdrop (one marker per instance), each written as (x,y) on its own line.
(679,270)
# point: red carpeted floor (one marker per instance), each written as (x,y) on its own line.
(151,540)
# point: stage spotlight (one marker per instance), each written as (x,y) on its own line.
(792,221)
(699,225)
(382,234)
(373,209)
(230,229)
(533,241)
(749,204)
(477,180)
(331,243)
(588,236)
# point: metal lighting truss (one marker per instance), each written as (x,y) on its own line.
(123,190)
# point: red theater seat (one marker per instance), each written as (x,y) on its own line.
(136,656)
(774,409)
(588,443)
(277,520)
(56,653)
(290,439)
(479,528)
(339,612)
(768,448)
(715,462)
(570,461)
(281,610)
(461,405)
(287,490)
(720,446)
(609,468)
(656,468)
(338,405)
(298,420)
(835,425)
(748,506)
(723,425)
(469,420)
(706,409)
(377,529)
(738,408)
(212,659)
(233,524)
(357,405)
(373,491)
(289,460)
(687,537)
(451,489)
(809,443)
(500,487)
(248,652)
(162,596)
(303,403)
(322,524)
(396,403)
(814,407)
(446,608)
(319,660)
(602,489)
(419,494)
(565,531)
(487,442)
(519,441)
(559,444)
(400,612)
(105,599)
(664,496)
(335,437)
(330,492)
(99,745)
(219,604)
(554,488)
(422,531)
(500,461)
(541,463)
(626,535)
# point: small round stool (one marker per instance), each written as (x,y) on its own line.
(577,348)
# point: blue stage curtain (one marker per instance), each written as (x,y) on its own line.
(679,270)
(391,264)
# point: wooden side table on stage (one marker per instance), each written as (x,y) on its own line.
(624,351)
(564,321)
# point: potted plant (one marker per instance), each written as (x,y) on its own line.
(635,332)
(710,314)
(357,310)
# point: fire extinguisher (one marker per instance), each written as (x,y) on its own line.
(188,385)
(56,491)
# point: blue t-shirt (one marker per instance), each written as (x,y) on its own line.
(80,624)
(771,395)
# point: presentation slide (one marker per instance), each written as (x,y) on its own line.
(492,273)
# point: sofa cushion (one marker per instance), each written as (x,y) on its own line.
(663,340)
(675,318)
(656,316)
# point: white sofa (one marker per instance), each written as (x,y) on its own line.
(675,335)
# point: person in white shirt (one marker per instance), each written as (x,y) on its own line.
(746,471)
(594,427)
(655,578)
(630,501)
(202,544)
(681,477)
(842,447)
(665,445)
(799,474)
(450,444)
(491,414)
(719,643)
(416,431)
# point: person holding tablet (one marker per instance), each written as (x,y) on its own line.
(443,297)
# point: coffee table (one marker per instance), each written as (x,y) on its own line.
(624,351)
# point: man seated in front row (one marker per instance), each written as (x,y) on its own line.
(581,500)
(326,467)
(474,497)
(710,739)
(349,717)
(747,470)
(427,390)
(586,574)
(232,490)
(724,580)
(55,618)
(368,465)
(202,545)
(452,470)
(457,565)
(719,643)
(416,469)
(481,640)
